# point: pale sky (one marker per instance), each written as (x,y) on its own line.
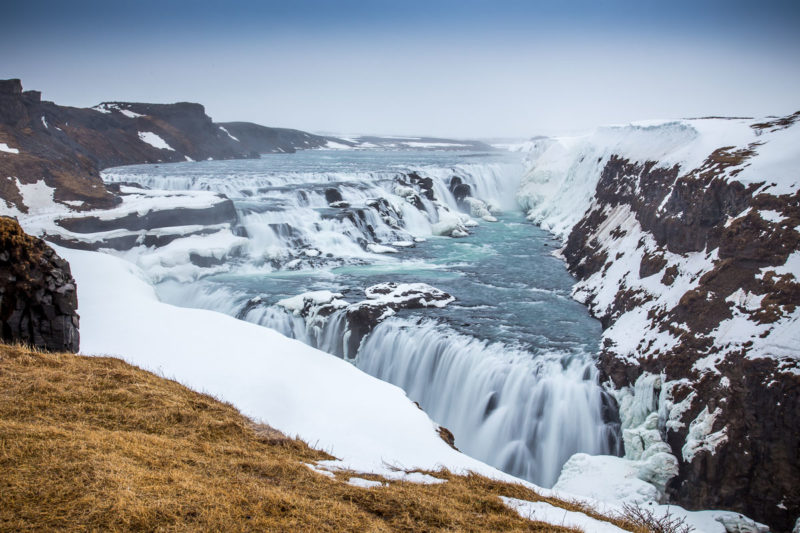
(464,68)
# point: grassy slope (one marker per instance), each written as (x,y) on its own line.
(96,444)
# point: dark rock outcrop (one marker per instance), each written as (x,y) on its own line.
(38,299)
(425,185)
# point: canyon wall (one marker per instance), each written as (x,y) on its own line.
(684,237)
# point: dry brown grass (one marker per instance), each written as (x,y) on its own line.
(94,444)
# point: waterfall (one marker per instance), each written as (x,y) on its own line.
(299,219)
(523,413)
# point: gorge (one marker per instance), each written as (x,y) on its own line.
(419,267)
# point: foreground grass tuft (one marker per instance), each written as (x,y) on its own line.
(96,444)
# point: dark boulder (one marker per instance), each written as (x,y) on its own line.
(425,185)
(333,195)
(461,191)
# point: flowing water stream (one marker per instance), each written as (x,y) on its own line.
(507,367)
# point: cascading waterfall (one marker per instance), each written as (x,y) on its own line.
(525,411)
(524,414)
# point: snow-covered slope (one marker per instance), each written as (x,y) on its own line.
(684,236)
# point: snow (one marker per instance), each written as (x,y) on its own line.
(44,122)
(381,249)
(175,260)
(606,483)
(320,470)
(333,145)
(143,201)
(39,198)
(398,293)
(772,216)
(109,107)
(7,149)
(550,514)
(451,224)
(676,410)
(229,134)
(364,483)
(154,140)
(563,172)
(296,304)
(792,266)
(130,114)
(777,162)
(605,478)
(415,144)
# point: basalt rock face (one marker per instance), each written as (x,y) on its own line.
(703,293)
(38,299)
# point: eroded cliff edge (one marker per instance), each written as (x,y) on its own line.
(685,239)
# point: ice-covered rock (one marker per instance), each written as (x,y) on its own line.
(319,308)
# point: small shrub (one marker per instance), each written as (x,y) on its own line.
(648,520)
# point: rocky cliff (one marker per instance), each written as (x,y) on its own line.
(685,238)
(38,299)
(64,148)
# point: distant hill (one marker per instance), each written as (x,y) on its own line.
(264,140)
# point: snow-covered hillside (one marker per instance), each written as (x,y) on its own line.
(685,238)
